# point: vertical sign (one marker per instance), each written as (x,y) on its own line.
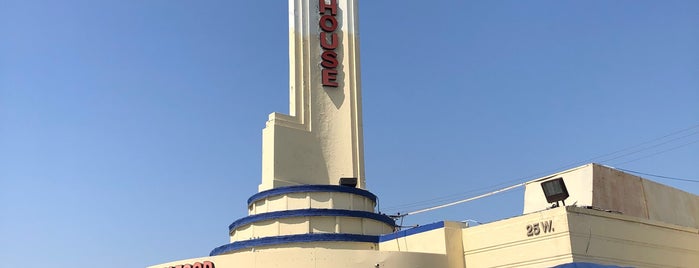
(329,41)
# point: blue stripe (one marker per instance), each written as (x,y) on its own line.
(309,213)
(412,231)
(310,188)
(305,238)
(587,265)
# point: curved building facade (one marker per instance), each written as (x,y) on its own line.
(313,209)
(288,216)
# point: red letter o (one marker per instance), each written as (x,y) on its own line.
(324,23)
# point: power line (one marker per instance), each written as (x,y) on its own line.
(657,176)
(657,153)
(505,189)
(526,178)
(442,199)
(465,200)
(646,148)
(590,160)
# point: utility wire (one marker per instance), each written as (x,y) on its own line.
(484,195)
(595,159)
(526,178)
(465,200)
(656,145)
(657,153)
(657,176)
(457,195)
(522,184)
(442,199)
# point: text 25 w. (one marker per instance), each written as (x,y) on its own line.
(540,227)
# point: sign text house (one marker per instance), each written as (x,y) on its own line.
(329,41)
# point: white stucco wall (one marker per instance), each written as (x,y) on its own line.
(610,189)
(318,257)
(578,181)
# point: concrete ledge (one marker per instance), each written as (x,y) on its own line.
(412,231)
(311,213)
(310,188)
(287,239)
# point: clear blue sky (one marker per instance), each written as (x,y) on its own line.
(130,131)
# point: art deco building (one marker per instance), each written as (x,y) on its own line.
(313,209)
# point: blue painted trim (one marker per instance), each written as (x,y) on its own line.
(305,238)
(587,265)
(311,188)
(412,231)
(310,213)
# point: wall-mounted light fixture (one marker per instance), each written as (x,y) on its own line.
(555,190)
(349,182)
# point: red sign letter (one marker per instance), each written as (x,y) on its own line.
(329,59)
(324,41)
(324,23)
(322,6)
(329,77)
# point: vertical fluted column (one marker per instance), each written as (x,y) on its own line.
(320,141)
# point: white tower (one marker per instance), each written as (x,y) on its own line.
(312,208)
(321,140)
(313,192)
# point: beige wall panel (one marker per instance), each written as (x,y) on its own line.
(445,241)
(242,233)
(328,245)
(265,229)
(305,225)
(342,201)
(268,168)
(358,203)
(315,257)
(351,225)
(233,237)
(276,203)
(297,200)
(298,225)
(671,205)
(617,191)
(507,243)
(426,242)
(294,157)
(623,240)
(321,200)
(454,244)
(261,206)
(323,224)
(371,227)
(336,245)
(259,229)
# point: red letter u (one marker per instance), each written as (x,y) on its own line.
(324,41)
